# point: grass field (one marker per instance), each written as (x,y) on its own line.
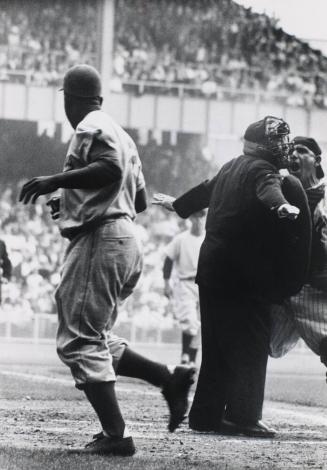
(42,417)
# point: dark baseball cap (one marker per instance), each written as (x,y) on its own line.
(308,142)
(313,146)
(82,81)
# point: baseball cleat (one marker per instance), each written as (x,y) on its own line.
(176,394)
(103,445)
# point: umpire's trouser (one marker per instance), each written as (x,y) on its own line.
(235,347)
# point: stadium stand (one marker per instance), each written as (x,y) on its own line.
(43,40)
(208,48)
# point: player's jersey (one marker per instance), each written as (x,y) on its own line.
(98,137)
(184,250)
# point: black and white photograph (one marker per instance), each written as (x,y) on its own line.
(163,234)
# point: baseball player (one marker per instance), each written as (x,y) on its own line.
(5,263)
(102,189)
(5,266)
(182,255)
(305,313)
(244,266)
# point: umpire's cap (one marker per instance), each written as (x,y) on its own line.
(82,81)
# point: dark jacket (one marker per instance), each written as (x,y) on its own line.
(5,261)
(247,247)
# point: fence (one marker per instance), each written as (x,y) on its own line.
(41,328)
(180,90)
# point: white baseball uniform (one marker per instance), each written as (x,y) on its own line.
(104,260)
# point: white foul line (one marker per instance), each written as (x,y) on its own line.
(69,383)
(285,409)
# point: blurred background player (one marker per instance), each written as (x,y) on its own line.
(182,256)
(5,266)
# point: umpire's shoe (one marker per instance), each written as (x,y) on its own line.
(176,394)
(103,445)
(258,429)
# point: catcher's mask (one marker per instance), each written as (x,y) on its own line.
(271,134)
(277,139)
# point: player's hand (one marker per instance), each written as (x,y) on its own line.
(54,204)
(164,200)
(168,291)
(36,187)
(288,211)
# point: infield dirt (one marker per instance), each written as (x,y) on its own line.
(43,416)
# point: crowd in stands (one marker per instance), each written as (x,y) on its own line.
(208,46)
(35,250)
(212,44)
(44,38)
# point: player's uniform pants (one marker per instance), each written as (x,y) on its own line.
(235,346)
(186,307)
(303,315)
(101,269)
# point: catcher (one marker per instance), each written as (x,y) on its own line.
(304,315)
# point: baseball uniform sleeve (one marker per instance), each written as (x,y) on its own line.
(92,146)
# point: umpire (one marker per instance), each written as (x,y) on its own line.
(241,270)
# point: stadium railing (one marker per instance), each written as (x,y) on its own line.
(41,328)
(140,87)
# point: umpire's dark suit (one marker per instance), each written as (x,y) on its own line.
(241,270)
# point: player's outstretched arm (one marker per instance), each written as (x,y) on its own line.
(96,175)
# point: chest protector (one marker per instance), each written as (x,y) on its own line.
(292,243)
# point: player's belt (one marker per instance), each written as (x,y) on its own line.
(93,225)
(189,278)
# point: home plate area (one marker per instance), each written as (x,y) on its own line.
(40,412)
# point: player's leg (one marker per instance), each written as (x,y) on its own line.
(93,274)
(174,382)
(186,341)
(187,313)
(194,347)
